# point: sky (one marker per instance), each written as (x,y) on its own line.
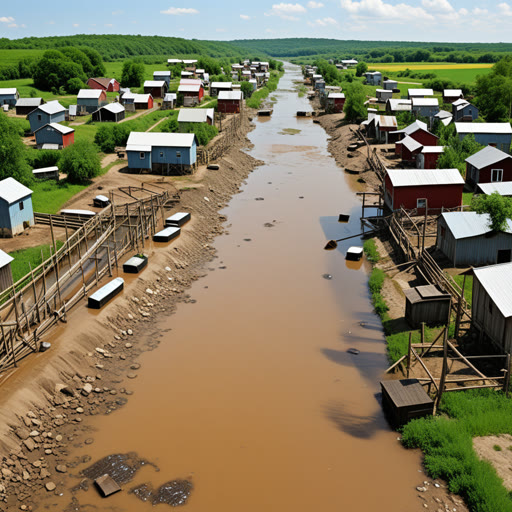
(402,20)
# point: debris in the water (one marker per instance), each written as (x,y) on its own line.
(259,199)
(107,485)
(327,276)
(353,351)
(173,493)
(223,267)
(247,239)
(301,197)
(268,225)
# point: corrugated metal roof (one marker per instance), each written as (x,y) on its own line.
(161,73)
(58,127)
(195,115)
(469,224)
(390,82)
(190,61)
(170,96)
(221,85)
(336,95)
(417,125)
(115,108)
(421,92)
(418,177)
(425,102)
(460,101)
(186,73)
(462,106)
(483,128)
(12,190)
(191,81)
(89,94)
(5,259)
(45,169)
(487,156)
(154,83)
(141,98)
(432,149)
(52,107)
(137,147)
(7,91)
(29,102)
(443,114)
(230,95)
(504,188)
(50,146)
(174,61)
(387,121)
(492,278)
(189,88)
(411,144)
(176,140)
(452,93)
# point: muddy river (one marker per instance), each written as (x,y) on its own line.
(252,395)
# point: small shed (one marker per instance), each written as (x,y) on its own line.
(428,156)
(427,304)
(503,188)
(90,100)
(373,77)
(105,84)
(335,102)
(425,107)
(466,239)
(404,400)
(419,93)
(192,94)
(464,112)
(491,309)
(9,96)
(51,112)
(157,88)
(410,149)
(16,211)
(384,125)
(55,133)
(390,85)
(163,75)
(216,87)
(230,102)
(419,132)
(113,112)
(383,95)
(46,173)
(421,188)
(5,271)
(396,106)
(489,165)
(143,101)
(195,115)
(498,135)
(26,105)
(451,95)
(169,101)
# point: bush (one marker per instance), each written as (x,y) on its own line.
(108,136)
(80,162)
(370,249)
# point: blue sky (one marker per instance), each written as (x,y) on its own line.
(412,20)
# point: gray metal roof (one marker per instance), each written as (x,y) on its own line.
(336,95)
(115,108)
(195,115)
(170,96)
(487,156)
(386,121)
(12,190)
(189,88)
(432,149)
(177,140)
(504,188)
(5,259)
(221,85)
(50,146)
(420,177)
(425,102)
(411,144)
(7,91)
(230,95)
(492,279)
(452,93)
(58,127)
(417,125)
(52,107)
(154,83)
(443,114)
(161,73)
(469,224)
(42,170)
(421,92)
(503,128)
(89,94)
(29,102)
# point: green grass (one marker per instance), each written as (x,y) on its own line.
(467,197)
(49,196)
(9,58)
(370,249)
(468,288)
(257,97)
(25,258)
(447,443)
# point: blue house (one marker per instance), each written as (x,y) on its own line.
(498,135)
(463,111)
(162,152)
(51,112)
(54,136)
(163,75)
(16,211)
(9,96)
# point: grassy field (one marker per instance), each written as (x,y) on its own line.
(31,257)
(114,69)
(49,196)
(11,57)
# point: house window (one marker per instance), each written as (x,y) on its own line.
(142,156)
(39,117)
(178,154)
(421,203)
(497,175)
(22,206)
(161,154)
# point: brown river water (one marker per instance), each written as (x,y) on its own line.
(252,395)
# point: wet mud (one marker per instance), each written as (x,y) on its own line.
(174,493)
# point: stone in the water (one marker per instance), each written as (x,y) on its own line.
(353,351)
(247,239)
(327,276)
(173,493)
(260,199)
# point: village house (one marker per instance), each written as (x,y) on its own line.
(451,95)
(466,239)
(503,188)
(173,62)
(54,136)
(425,107)
(113,112)
(487,166)
(381,126)
(396,106)
(157,88)
(132,101)
(320,86)
(187,74)
(169,101)
(89,100)
(192,94)
(5,271)
(417,131)
(383,95)
(419,93)
(491,309)
(373,77)
(349,63)
(252,81)
(464,112)
(195,115)
(434,189)
(51,112)
(335,102)
(26,105)
(216,87)
(105,84)
(390,85)
(46,173)
(16,211)
(200,73)
(408,149)
(162,75)
(498,135)
(245,76)
(9,96)
(428,156)
(166,153)
(230,102)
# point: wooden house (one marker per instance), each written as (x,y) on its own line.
(419,132)
(384,126)
(132,101)
(425,107)
(427,304)
(157,88)
(335,102)
(230,102)
(428,156)
(390,85)
(498,135)
(383,95)
(491,309)
(464,112)
(9,96)
(90,100)
(166,153)
(451,95)
(409,149)
(5,271)
(16,211)
(105,84)
(195,115)
(466,239)
(54,135)
(46,173)
(192,94)
(434,189)
(373,77)
(396,106)
(163,75)
(51,112)
(216,87)
(113,112)
(487,166)
(26,105)
(169,101)
(419,93)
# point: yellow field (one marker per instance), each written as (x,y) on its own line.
(402,66)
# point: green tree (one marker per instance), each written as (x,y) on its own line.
(494,91)
(354,104)
(133,73)
(456,151)
(55,69)
(247,89)
(497,206)
(74,85)
(13,162)
(80,162)
(361,69)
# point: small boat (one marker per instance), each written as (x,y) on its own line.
(354,253)
(266,112)
(304,113)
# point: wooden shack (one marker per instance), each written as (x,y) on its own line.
(426,304)
(404,400)
(5,271)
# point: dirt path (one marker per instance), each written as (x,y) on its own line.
(143,113)
(156,124)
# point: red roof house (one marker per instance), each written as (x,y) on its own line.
(488,165)
(105,84)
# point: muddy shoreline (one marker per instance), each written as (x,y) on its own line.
(88,371)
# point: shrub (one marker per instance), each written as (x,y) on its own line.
(370,249)
(80,162)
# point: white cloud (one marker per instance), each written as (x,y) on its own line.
(286,11)
(6,19)
(269,31)
(179,11)
(437,5)
(245,17)
(315,5)
(51,22)
(76,24)
(324,22)
(505,9)
(381,11)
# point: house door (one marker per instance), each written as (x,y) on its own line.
(504,256)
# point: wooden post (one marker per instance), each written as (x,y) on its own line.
(108,259)
(56,264)
(444,371)
(506,384)
(67,242)
(35,292)
(424,226)
(409,354)
(422,335)
(114,235)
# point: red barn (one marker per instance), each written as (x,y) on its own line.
(428,157)
(419,132)
(54,136)
(105,84)
(192,94)
(143,101)
(409,149)
(335,102)
(488,165)
(417,188)
(229,102)
(157,88)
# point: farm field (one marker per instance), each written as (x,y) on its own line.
(11,57)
